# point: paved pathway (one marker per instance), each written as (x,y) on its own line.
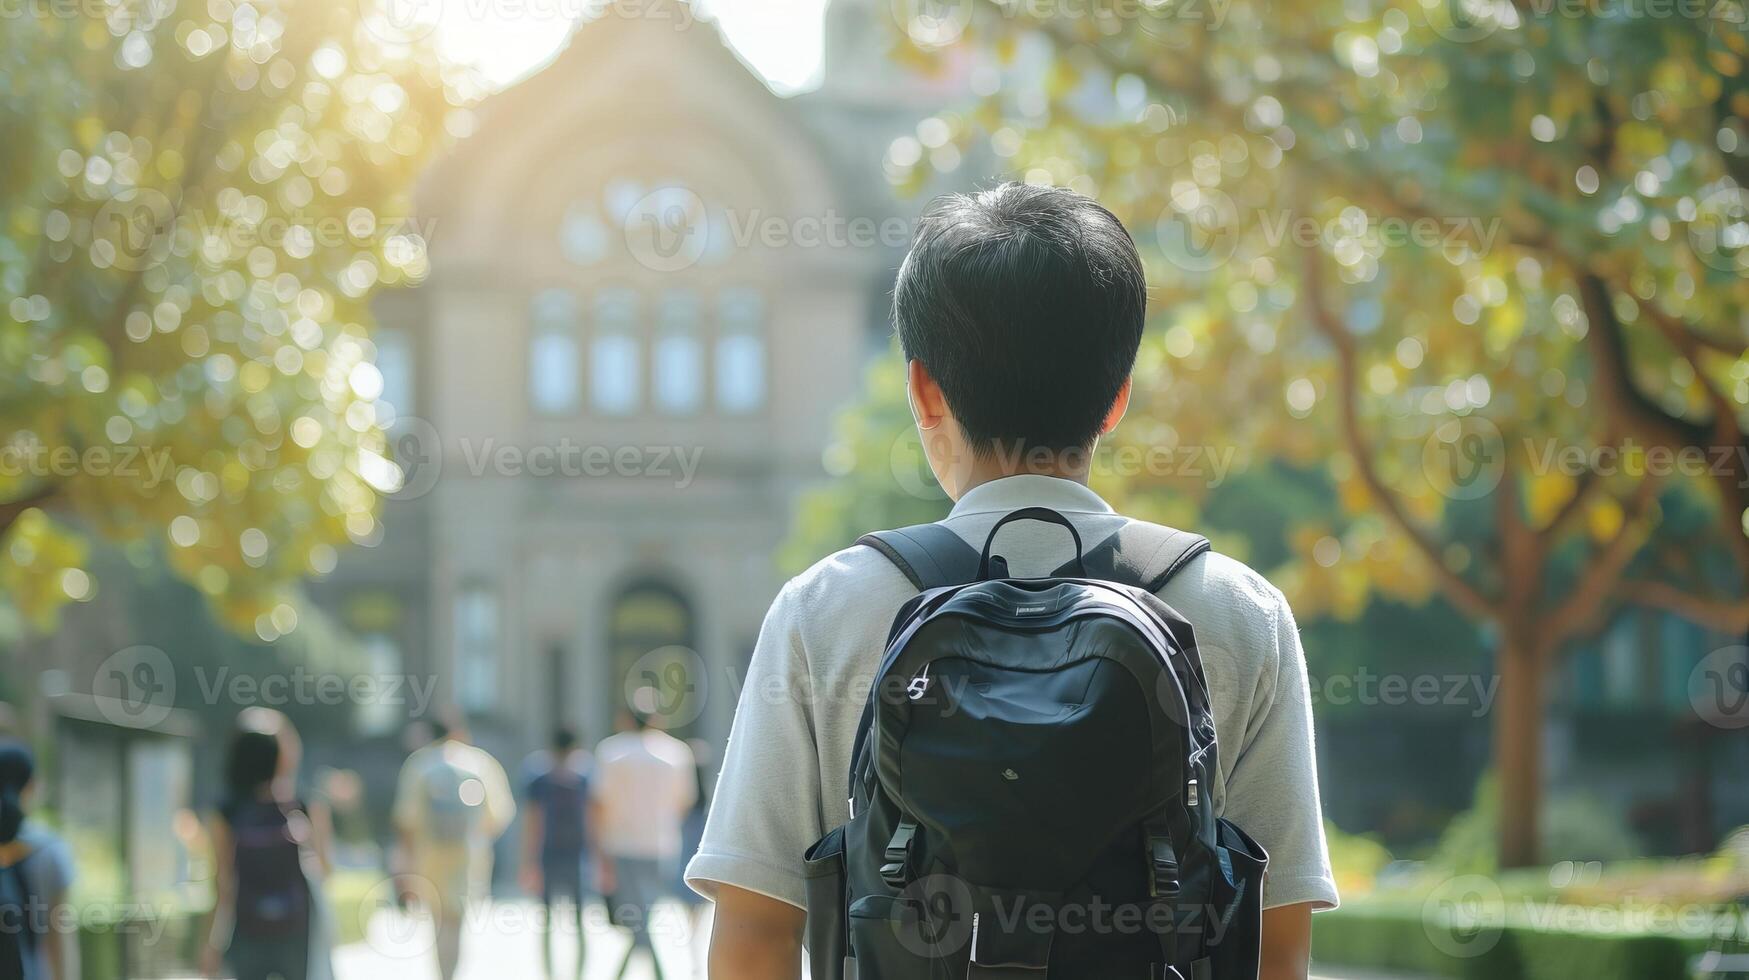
(503,942)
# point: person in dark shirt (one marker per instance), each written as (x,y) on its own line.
(556,840)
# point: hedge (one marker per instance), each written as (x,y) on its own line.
(1397,938)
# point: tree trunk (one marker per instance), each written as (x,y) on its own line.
(1518,722)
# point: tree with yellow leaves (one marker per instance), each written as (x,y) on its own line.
(199,200)
(1484,261)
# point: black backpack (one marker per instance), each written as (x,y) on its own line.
(21,922)
(273,894)
(1029,786)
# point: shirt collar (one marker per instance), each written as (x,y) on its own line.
(1030,490)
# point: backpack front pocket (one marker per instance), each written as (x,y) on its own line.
(1236,903)
(827,935)
(893,938)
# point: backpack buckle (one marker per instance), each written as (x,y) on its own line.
(1162,868)
(898,854)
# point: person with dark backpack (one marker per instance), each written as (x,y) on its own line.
(1036,739)
(36,869)
(269,850)
(556,840)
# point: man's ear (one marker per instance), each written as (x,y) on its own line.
(928,404)
(1119,406)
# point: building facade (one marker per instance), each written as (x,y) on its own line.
(653,282)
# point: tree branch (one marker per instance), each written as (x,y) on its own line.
(12,510)
(1713,612)
(1602,572)
(1457,588)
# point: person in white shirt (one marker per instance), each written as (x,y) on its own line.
(452,803)
(645,782)
(1020,312)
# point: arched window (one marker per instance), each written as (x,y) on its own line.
(615,362)
(554,387)
(679,355)
(740,366)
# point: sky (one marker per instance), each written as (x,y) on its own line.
(507,39)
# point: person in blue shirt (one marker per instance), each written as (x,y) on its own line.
(36,868)
(556,839)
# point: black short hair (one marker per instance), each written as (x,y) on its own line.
(1026,305)
(564,739)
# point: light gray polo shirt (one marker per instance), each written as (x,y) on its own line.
(785,774)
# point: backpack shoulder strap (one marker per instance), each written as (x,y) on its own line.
(930,555)
(1140,554)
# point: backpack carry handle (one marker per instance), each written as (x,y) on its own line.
(1044,514)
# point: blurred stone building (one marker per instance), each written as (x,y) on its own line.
(652,283)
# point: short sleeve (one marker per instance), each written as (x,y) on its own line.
(50,870)
(1272,790)
(766,809)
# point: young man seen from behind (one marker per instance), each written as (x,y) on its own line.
(1020,312)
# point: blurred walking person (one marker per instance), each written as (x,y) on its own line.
(555,839)
(645,782)
(35,869)
(452,803)
(270,854)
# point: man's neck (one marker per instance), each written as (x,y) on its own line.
(1001,463)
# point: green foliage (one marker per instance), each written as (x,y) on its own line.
(1355,859)
(1574,827)
(1405,937)
(198,201)
(881,478)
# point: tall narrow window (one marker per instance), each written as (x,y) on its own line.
(740,358)
(476,648)
(615,382)
(395,362)
(554,387)
(679,357)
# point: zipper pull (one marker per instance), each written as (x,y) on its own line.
(1191,794)
(919,685)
